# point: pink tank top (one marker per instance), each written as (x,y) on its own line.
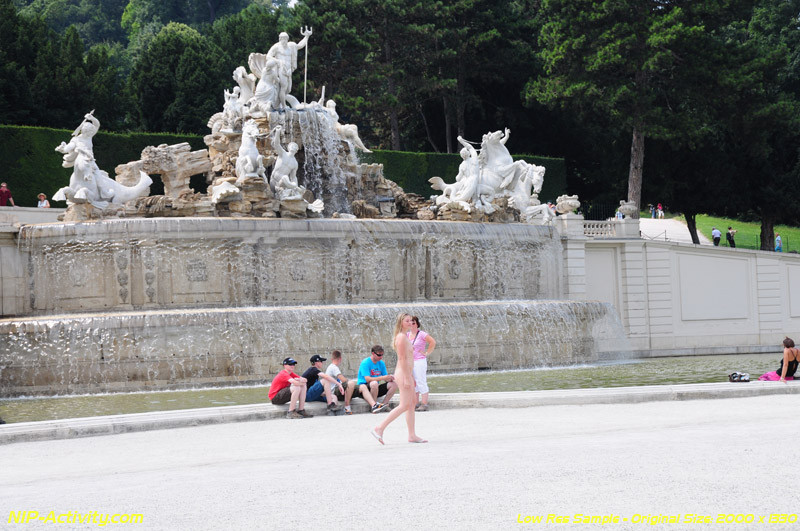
(419,344)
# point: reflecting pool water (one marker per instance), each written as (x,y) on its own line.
(656,371)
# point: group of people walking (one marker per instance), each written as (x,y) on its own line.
(373,383)
(716,235)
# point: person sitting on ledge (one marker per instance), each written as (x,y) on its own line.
(335,372)
(320,384)
(371,373)
(287,387)
(788,365)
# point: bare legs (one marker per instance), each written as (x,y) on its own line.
(299,396)
(407,403)
(348,392)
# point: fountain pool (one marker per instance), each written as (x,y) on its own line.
(653,371)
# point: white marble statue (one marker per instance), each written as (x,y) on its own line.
(540,214)
(283,179)
(247,84)
(88,183)
(491,173)
(265,95)
(249,163)
(347,132)
(275,69)
(230,120)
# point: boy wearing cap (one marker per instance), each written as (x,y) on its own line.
(335,372)
(291,388)
(319,385)
(371,373)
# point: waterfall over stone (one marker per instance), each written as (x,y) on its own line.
(167,303)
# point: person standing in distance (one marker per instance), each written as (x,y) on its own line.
(729,237)
(423,344)
(716,235)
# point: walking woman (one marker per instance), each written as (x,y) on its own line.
(403,377)
(423,345)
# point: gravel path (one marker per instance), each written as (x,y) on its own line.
(483,469)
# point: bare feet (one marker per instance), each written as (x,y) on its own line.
(417,440)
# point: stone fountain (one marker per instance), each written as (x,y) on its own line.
(136,292)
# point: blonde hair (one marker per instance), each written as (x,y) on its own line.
(398,325)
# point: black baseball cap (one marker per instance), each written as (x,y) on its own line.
(316,357)
(289,361)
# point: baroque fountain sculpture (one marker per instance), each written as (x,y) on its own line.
(131,304)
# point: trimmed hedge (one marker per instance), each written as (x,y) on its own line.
(30,164)
(412,170)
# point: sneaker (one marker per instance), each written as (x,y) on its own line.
(421,407)
(333,407)
(378,407)
(304,414)
(347,410)
(293,415)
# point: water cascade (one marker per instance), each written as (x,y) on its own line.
(136,304)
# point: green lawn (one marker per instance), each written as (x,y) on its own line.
(748,234)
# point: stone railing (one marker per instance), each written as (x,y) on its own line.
(599,229)
(612,228)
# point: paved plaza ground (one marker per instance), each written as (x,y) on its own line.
(484,468)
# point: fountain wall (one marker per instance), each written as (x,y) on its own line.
(159,303)
(162,263)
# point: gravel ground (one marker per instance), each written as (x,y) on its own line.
(483,469)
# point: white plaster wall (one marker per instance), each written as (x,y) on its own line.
(678,298)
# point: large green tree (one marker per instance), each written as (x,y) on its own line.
(649,66)
(177,83)
(96,20)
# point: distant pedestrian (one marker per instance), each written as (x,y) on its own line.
(729,237)
(778,243)
(716,235)
(652,212)
(43,202)
(5,195)
(660,211)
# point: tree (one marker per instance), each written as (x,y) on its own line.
(177,83)
(644,64)
(96,20)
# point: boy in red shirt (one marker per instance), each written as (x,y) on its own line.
(291,388)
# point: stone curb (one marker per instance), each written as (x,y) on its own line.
(114,424)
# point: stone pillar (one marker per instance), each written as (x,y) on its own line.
(573,243)
(628,228)
(12,276)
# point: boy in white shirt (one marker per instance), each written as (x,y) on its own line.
(334,371)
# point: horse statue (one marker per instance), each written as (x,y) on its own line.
(490,173)
(249,163)
(88,183)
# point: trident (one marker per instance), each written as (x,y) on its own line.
(304,31)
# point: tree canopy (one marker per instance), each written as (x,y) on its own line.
(708,87)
